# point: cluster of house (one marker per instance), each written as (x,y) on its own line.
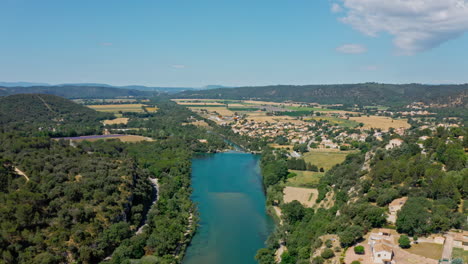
(299,132)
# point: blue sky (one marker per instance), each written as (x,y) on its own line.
(236,42)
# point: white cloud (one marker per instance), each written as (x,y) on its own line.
(351,49)
(336,8)
(179,66)
(416,25)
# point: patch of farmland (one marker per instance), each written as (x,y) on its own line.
(325,158)
(114,108)
(117,121)
(305,196)
(382,122)
(304,178)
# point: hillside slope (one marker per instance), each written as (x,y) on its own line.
(363,94)
(76,92)
(29,112)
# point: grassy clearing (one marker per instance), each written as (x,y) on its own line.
(335,121)
(304,178)
(326,158)
(460,253)
(428,250)
(305,196)
(382,122)
(115,108)
(220,110)
(117,121)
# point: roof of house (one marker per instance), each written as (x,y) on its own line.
(379,247)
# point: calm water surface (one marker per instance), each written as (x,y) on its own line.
(234,223)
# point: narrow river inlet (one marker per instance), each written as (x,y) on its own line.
(234,225)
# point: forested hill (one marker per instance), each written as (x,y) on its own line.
(33,112)
(76,91)
(363,94)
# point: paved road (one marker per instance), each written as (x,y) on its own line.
(448,247)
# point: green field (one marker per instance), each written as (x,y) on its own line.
(304,178)
(326,159)
(240,109)
(460,253)
(335,120)
(428,250)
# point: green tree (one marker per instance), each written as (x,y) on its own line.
(404,241)
(293,211)
(359,250)
(327,253)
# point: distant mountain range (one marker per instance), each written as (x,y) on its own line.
(131,87)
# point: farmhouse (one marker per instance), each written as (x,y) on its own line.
(396,142)
(460,240)
(382,251)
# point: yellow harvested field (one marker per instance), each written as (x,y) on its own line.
(326,158)
(305,196)
(121,120)
(199,103)
(113,108)
(124,138)
(199,123)
(220,110)
(151,109)
(134,138)
(382,122)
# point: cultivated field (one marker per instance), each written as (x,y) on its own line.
(428,250)
(304,178)
(117,121)
(115,108)
(382,122)
(123,138)
(460,253)
(305,196)
(335,121)
(223,111)
(326,158)
(198,123)
(263,117)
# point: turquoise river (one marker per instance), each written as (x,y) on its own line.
(234,225)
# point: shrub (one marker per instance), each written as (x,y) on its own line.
(356,262)
(318,260)
(359,250)
(327,253)
(404,241)
(328,243)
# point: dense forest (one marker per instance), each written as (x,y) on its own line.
(77,91)
(84,203)
(362,94)
(42,114)
(434,177)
